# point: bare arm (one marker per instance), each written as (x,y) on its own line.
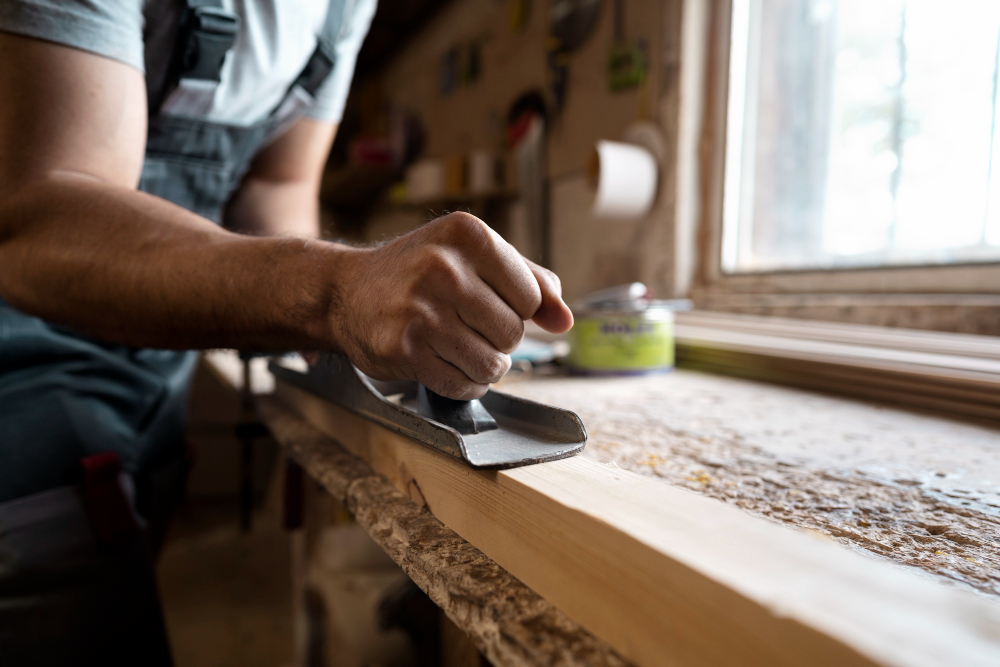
(80,246)
(280,194)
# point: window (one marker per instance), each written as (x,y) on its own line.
(861,133)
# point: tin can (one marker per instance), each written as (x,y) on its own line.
(626,338)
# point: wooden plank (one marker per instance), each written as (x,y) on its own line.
(987,347)
(950,373)
(508,622)
(970,369)
(831,378)
(667,577)
(846,377)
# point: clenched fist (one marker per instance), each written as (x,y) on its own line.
(443,305)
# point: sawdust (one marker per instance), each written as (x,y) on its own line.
(916,489)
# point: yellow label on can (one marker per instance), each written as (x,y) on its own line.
(629,343)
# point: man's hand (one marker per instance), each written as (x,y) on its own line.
(444,305)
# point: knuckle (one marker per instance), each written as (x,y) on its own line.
(510,335)
(468,228)
(491,367)
(458,389)
(413,316)
(450,277)
(474,391)
(553,278)
(497,367)
(426,323)
(530,302)
(534,300)
(442,271)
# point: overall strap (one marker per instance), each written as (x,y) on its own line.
(303,90)
(205,35)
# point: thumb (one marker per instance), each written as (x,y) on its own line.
(553,315)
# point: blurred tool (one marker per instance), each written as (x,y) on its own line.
(448,72)
(570,24)
(526,122)
(471,63)
(572,21)
(627,60)
(454,175)
(518,13)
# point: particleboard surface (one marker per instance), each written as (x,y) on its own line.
(917,489)
(505,619)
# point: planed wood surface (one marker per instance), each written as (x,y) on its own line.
(508,622)
(668,577)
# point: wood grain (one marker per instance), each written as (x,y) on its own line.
(667,577)
(950,373)
(509,623)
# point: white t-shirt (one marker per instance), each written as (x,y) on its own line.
(275,40)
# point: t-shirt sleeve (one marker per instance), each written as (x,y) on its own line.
(111,28)
(332,95)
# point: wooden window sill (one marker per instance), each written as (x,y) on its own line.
(955,374)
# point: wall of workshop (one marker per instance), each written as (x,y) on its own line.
(586,252)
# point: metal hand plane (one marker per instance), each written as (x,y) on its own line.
(496,431)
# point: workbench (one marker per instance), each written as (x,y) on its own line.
(915,490)
(920,490)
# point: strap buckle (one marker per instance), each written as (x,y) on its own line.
(316,71)
(208,34)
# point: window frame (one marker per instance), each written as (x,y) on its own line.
(972,288)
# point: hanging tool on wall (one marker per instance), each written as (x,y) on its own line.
(572,21)
(518,13)
(527,121)
(570,24)
(497,431)
(627,62)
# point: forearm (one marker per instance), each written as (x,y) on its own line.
(134,269)
(280,194)
(268,208)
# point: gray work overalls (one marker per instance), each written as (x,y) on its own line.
(75,579)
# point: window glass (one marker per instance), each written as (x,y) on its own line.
(862,133)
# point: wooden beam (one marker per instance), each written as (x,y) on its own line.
(508,622)
(668,577)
